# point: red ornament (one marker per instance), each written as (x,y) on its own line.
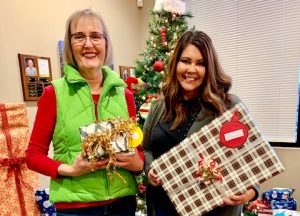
(163,33)
(159,66)
(142,188)
(233,133)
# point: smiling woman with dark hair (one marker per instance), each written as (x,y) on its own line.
(195,91)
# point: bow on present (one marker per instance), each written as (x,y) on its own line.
(13,164)
(14,167)
(208,171)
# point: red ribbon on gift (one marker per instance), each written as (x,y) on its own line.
(13,163)
(208,171)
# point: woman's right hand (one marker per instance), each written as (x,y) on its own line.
(153,178)
(81,167)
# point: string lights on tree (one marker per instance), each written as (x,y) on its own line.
(167,23)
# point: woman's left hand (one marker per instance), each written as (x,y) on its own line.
(240,199)
(129,161)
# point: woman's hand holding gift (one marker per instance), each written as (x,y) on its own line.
(129,161)
(81,166)
(153,178)
(240,199)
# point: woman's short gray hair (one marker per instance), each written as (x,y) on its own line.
(68,53)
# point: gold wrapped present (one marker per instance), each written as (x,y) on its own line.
(18,183)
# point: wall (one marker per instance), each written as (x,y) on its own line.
(290,177)
(34,27)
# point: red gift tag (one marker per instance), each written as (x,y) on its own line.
(233,133)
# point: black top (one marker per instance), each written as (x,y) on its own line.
(163,139)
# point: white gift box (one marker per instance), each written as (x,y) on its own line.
(119,143)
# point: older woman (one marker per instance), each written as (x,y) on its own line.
(89,91)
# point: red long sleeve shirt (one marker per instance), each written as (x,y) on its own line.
(41,136)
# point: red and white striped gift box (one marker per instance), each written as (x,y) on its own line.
(242,165)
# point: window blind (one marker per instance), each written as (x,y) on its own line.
(258,43)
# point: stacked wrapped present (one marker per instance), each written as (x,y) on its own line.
(42,198)
(17,181)
(280,198)
(276,201)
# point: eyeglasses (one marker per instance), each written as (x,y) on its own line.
(80,38)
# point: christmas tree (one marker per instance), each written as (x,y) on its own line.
(168,22)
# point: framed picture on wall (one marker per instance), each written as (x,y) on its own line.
(35,75)
(126,71)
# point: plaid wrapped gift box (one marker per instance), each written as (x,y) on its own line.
(247,165)
(17,181)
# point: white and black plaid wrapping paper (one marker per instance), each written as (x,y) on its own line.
(248,165)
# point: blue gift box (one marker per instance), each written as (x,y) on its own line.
(42,199)
(277,194)
(289,204)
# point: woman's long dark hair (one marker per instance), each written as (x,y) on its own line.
(214,89)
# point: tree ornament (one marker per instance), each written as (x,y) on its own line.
(136,84)
(163,32)
(159,66)
(159,46)
(144,109)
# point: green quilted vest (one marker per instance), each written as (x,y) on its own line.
(75,108)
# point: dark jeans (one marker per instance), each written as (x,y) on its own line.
(125,206)
(163,212)
(158,202)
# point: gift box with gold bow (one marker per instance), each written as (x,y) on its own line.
(18,183)
(228,156)
(106,138)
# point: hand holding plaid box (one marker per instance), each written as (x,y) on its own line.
(243,155)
